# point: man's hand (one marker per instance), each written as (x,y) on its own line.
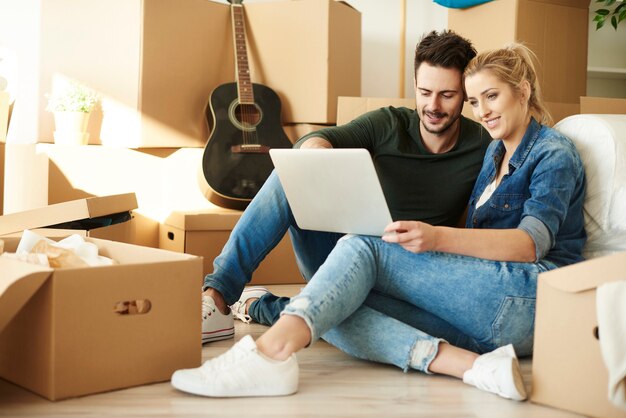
(413,236)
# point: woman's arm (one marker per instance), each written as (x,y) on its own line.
(492,244)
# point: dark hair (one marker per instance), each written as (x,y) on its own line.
(445,49)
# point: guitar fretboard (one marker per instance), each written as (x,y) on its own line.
(244,85)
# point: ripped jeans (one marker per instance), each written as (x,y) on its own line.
(491,302)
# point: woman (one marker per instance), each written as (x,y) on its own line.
(525,217)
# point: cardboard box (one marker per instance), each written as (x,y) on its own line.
(560,111)
(349,108)
(2,152)
(309,52)
(155,62)
(204,233)
(556,30)
(75,210)
(63,332)
(602,105)
(156,71)
(568,371)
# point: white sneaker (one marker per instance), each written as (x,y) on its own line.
(215,325)
(239,307)
(241,371)
(498,372)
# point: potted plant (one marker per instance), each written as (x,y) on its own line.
(71,106)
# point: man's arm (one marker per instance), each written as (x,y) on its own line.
(316,142)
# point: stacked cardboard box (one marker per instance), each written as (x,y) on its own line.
(156,70)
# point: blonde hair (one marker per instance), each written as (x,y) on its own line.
(513,65)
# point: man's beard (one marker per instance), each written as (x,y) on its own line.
(443,128)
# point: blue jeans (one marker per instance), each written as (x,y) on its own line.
(262,225)
(384,329)
(491,302)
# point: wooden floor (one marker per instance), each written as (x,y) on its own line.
(331,385)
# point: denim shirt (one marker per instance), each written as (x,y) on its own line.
(542,194)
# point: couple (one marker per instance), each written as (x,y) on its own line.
(431,297)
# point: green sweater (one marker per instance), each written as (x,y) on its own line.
(418,185)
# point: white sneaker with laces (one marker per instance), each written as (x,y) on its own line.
(241,371)
(498,372)
(239,307)
(215,325)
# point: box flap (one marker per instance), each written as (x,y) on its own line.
(18,282)
(587,274)
(74,210)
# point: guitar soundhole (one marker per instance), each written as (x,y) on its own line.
(245,116)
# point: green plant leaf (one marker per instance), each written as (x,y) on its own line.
(600,24)
(614,22)
(609,2)
(619,8)
(602,12)
(598,18)
(622,16)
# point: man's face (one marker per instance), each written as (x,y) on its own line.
(438,97)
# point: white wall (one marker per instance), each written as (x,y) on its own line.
(19,50)
(381,42)
(606,60)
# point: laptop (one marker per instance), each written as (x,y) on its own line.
(333,190)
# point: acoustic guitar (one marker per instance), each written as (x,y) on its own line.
(246,123)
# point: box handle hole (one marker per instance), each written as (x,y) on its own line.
(596,333)
(132,307)
(170,236)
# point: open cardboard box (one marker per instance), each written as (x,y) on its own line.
(64,332)
(77,210)
(568,371)
(61,332)
(205,233)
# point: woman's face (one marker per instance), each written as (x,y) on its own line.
(500,109)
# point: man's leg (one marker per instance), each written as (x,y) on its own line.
(261,227)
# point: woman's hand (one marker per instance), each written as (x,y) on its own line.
(413,236)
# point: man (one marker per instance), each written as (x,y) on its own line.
(427,161)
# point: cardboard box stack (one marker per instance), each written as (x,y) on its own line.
(156,71)
(556,31)
(74,331)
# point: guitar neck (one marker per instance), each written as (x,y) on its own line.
(244,85)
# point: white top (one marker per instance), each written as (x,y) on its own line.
(486,193)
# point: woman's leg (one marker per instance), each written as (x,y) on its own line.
(342,284)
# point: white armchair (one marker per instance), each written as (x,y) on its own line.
(601,142)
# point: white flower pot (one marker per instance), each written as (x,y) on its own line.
(71,128)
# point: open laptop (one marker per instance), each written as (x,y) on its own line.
(333,190)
